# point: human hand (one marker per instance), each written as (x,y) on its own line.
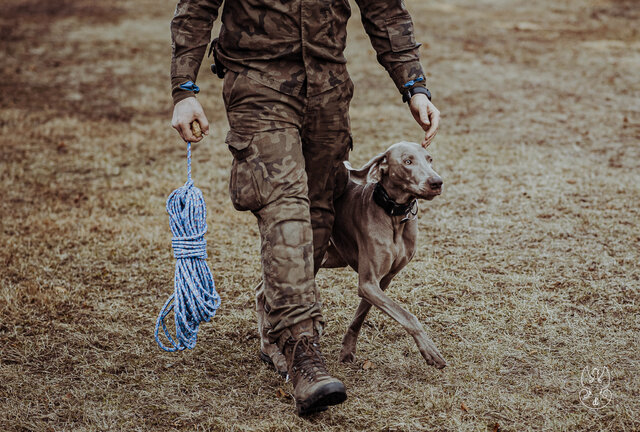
(184,113)
(427,116)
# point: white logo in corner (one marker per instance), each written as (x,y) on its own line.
(595,393)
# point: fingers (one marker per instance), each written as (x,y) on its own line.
(424,117)
(427,116)
(187,133)
(184,129)
(178,127)
(432,130)
(204,123)
(428,138)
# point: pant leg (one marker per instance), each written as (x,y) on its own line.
(268,178)
(326,141)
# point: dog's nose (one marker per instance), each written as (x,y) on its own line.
(435,182)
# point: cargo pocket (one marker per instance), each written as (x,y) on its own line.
(400,31)
(248,187)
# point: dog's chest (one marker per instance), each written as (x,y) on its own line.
(403,245)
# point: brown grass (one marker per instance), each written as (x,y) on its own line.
(528,267)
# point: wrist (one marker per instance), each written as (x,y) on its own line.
(179,96)
(183,88)
(408,94)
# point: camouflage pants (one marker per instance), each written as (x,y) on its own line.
(287,165)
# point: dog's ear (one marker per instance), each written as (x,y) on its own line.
(371,172)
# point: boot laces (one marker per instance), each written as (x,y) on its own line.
(309,360)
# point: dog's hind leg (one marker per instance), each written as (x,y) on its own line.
(348,353)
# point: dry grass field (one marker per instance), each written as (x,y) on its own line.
(527,271)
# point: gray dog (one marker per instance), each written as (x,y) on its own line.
(375,233)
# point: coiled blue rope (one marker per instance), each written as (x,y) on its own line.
(195,299)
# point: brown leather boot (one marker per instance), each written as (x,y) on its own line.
(313,388)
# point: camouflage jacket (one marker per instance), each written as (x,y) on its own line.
(282,43)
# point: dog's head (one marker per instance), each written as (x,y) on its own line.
(405,167)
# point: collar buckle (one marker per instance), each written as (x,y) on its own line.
(412,214)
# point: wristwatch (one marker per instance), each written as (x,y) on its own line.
(408,94)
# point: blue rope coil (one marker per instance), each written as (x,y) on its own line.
(195,299)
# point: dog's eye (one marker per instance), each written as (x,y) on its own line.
(408,161)
(429,159)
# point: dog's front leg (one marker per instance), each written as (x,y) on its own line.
(369,290)
(348,353)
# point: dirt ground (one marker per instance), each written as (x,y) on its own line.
(527,271)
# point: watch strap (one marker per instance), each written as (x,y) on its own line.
(408,94)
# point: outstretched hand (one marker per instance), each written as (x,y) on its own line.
(184,113)
(427,116)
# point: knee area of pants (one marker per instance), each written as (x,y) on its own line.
(292,233)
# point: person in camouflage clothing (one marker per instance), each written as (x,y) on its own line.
(287,93)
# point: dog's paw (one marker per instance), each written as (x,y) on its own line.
(431,353)
(347,356)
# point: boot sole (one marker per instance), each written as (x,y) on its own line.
(265,358)
(330,394)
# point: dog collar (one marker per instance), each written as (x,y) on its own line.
(392,208)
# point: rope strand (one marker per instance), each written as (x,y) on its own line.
(195,299)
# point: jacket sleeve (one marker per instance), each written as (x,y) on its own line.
(389,26)
(190,33)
